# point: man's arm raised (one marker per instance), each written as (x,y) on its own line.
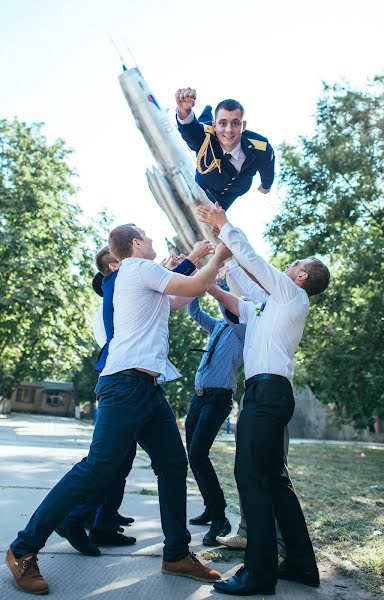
(180,285)
(230,301)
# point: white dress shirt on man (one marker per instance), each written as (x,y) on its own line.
(140,319)
(271,337)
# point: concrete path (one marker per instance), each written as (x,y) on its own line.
(35,451)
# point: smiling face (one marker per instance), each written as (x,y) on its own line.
(229,126)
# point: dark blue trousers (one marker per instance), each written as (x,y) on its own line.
(206,415)
(265,492)
(105,503)
(131,408)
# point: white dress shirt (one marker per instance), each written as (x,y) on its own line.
(237,154)
(271,338)
(140,320)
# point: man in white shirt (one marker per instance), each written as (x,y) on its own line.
(132,407)
(272,336)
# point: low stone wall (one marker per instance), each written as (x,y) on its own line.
(313,420)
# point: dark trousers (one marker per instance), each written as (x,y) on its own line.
(106,502)
(131,408)
(264,491)
(204,419)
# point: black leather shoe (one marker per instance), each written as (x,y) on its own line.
(110,538)
(124,520)
(243,583)
(289,573)
(202,519)
(78,538)
(221,528)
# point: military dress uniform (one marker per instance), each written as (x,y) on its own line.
(215,174)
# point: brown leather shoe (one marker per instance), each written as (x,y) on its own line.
(190,566)
(26,573)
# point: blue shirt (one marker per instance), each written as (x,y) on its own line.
(227,355)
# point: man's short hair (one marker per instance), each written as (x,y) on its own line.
(229,105)
(102,260)
(121,238)
(318,277)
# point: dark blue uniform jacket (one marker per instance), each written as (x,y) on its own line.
(226,186)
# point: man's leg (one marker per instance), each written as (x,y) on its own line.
(161,439)
(117,425)
(191,422)
(106,516)
(214,411)
(268,406)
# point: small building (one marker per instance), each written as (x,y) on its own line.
(44,397)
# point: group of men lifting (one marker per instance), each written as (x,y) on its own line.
(262,328)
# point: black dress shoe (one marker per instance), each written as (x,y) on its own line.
(78,538)
(110,538)
(309,577)
(243,583)
(202,519)
(221,528)
(124,520)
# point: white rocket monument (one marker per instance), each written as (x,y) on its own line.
(172,181)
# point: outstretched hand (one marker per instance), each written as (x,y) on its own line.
(200,250)
(222,252)
(214,216)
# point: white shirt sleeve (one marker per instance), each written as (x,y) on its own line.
(154,276)
(278,284)
(248,288)
(246,308)
(186,121)
(98,327)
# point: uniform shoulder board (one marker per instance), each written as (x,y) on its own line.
(208,129)
(258,144)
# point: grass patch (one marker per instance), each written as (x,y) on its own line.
(222,555)
(147,492)
(341,490)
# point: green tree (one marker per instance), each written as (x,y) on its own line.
(46,254)
(332,186)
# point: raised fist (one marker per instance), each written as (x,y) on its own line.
(185,99)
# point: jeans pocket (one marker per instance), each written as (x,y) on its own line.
(117,391)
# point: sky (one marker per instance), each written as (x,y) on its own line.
(58,66)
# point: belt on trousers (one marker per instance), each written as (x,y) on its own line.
(223,391)
(136,374)
(265,376)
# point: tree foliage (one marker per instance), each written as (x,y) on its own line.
(333,206)
(46,255)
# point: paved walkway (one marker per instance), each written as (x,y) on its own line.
(35,452)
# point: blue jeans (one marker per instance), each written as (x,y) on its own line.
(131,408)
(205,417)
(106,502)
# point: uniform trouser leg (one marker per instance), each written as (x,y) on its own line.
(268,407)
(203,422)
(126,405)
